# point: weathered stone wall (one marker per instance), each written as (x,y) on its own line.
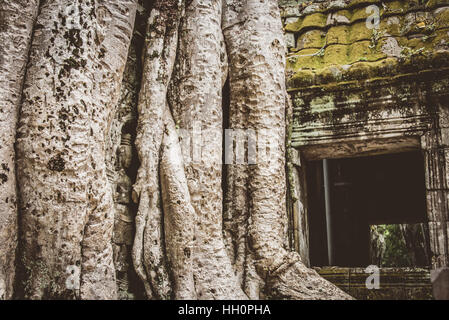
(394,283)
(361,90)
(337,41)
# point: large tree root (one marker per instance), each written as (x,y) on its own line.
(149,255)
(195,96)
(180,244)
(179,215)
(17,21)
(72,85)
(201,269)
(253,34)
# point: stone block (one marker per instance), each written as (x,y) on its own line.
(390,285)
(438,239)
(437,205)
(290,40)
(440,283)
(336,275)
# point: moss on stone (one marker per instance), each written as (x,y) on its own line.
(311,39)
(442,17)
(315,20)
(359,31)
(338,35)
(360,14)
(335,55)
(410,37)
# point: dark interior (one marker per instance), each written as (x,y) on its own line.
(384,189)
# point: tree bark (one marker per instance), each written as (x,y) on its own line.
(196,101)
(77,60)
(16,26)
(179,249)
(159,57)
(253,34)
(179,215)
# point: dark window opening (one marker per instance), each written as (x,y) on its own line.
(365,201)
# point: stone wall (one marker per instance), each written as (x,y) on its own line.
(362,90)
(335,41)
(394,283)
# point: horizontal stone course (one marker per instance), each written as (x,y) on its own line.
(326,35)
(394,284)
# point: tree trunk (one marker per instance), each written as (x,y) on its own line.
(159,56)
(253,33)
(77,60)
(16,26)
(196,101)
(164,235)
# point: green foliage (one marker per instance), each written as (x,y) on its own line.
(396,254)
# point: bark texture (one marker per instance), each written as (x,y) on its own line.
(188,236)
(73,80)
(159,57)
(179,249)
(16,26)
(256,50)
(196,100)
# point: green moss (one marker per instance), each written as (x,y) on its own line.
(434,3)
(442,18)
(315,20)
(396,7)
(392,25)
(359,31)
(338,35)
(363,51)
(294,26)
(308,59)
(357,3)
(345,13)
(323,103)
(360,14)
(311,39)
(307,77)
(358,52)
(335,55)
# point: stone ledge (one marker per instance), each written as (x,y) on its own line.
(395,283)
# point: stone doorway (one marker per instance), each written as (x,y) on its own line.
(355,203)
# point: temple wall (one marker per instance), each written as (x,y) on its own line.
(361,88)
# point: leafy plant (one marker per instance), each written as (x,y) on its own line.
(396,254)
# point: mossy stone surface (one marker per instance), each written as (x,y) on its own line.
(410,33)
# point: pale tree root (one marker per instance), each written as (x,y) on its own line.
(293,280)
(17,21)
(98,280)
(188,236)
(253,34)
(179,215)
(114,30)
(195,96)
(72,85)
(236,217)
(149,256)
(179,244)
